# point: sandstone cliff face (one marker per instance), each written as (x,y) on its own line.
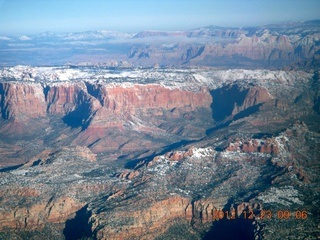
(144,223)
(36,216)
(34,100)
(128,99)
(21,101)
(94,107)
(255,95)
(65,98)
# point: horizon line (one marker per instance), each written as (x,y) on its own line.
(155,30)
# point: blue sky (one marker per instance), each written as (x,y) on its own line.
(34,16)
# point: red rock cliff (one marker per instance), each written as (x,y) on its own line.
(20,100)
(126,99)
(34,100)
(64,98)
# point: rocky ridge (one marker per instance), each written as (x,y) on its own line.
(187,143)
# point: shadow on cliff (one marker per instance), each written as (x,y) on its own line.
(79,227)
(133,163)
(229,229)
(225,99)
(79,117)
(10,168)
(224,102)
(226,229)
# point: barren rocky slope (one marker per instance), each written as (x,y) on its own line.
(150,153)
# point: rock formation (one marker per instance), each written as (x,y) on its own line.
(97,109)
(253,145)
(174,151)
(22,101)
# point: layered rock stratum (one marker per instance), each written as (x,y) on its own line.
(95,153)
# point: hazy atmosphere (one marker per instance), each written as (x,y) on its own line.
(34,16)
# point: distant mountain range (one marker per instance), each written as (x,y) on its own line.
(271,46)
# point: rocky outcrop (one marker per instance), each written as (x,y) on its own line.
(144,223)
(249,170)
(255,145)
(37,215)
(127,174)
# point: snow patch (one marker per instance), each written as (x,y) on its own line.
(202,152)
(281,140)
(285,196)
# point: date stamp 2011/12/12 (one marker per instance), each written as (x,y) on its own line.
(263,214)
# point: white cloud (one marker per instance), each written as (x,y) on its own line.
(24,38)
(5,38)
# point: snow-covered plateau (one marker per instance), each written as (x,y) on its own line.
(187,79)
